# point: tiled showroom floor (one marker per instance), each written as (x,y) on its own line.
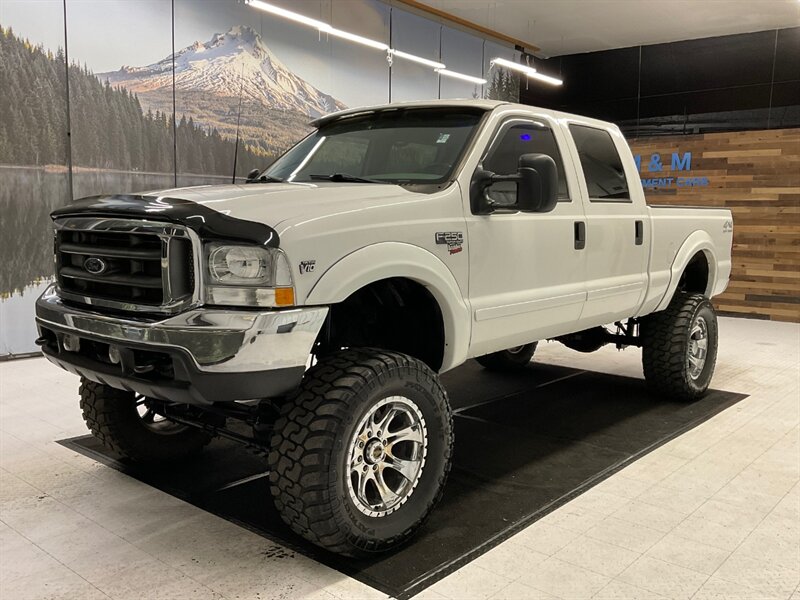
(714,513)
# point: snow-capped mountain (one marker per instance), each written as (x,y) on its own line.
(234,62)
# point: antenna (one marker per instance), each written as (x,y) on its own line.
(238,122)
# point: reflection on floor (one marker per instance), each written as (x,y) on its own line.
(712,513)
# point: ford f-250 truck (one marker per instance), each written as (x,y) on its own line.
(317,303)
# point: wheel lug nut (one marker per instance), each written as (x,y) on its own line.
(359,459)
(374,467)
(379,434)
(369,434)
(360,444)
(365,468)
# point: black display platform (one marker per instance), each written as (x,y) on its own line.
(525,444)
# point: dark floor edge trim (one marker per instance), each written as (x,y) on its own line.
(429,579)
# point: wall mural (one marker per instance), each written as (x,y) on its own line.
(246,86)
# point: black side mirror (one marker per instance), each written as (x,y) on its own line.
(537,186)
(253,174)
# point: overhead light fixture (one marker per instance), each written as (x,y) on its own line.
(510,64)
(346,35)
(321,26)
(547,78)
(529,71)
(417,59)
(462,76)
(287,14)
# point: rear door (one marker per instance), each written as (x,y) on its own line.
(616,238)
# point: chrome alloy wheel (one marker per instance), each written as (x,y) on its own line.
(386,456)
(698,347)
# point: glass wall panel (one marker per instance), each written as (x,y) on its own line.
(33,160)
(463,53)
(419,36)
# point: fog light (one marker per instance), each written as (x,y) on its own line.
(113,355)
(71,343)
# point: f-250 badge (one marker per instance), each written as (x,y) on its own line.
(453,239)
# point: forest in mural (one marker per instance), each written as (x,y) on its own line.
(115,131)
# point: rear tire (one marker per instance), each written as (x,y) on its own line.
(113,416)
(512,359)
(679,347)
(346,475)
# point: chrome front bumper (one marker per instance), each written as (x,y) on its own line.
(207,342)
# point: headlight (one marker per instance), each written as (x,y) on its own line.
(240,264)
(248,276)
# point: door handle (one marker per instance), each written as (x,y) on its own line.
(580,235)
(639,232)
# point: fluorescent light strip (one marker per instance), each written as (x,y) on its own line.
(509,64)
(546,78)
(529,71)
(456,75)
(319,25)
(417,59)
(287,14)
(346,35)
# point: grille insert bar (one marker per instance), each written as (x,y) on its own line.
(123,264)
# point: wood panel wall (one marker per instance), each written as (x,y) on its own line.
(756,174)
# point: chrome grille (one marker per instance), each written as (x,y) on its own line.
(128,265)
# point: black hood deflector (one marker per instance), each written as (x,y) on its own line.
(208,223)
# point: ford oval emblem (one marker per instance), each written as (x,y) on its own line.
(95,266)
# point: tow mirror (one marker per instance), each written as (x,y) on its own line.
(537,187)
(536,182)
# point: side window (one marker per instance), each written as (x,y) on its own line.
(602,166)
(515,139)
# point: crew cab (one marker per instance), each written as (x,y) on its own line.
(318,302)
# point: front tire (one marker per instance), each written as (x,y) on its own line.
(129,425)
(361,451)
(512,359)
(679,347)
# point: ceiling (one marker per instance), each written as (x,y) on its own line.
(572,26)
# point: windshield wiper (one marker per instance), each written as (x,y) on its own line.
(265,179)
(345,177)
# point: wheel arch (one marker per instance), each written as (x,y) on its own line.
(396,260)
(695,265)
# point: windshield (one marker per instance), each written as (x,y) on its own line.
(402,146)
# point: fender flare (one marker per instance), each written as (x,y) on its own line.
(395,259)
(699,241)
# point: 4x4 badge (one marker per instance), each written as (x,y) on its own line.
(307,266)
(453,239)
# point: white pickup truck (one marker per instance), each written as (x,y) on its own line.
(317,303)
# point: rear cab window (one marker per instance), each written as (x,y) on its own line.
(601,164)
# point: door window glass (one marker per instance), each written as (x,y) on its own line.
(602,166)
(514,140)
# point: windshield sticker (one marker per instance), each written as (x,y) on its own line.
(443,137)
(453,239)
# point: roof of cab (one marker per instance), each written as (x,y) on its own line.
(478,103)
(473,103)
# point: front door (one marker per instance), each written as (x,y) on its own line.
(527,274)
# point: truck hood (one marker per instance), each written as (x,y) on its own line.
(275,204)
